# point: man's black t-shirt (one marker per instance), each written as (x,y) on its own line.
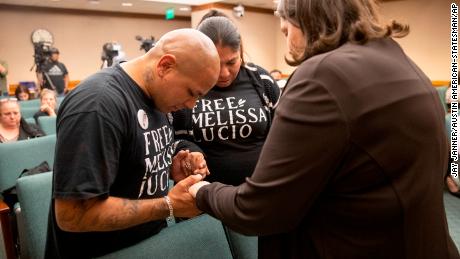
(111,142)
(55,71)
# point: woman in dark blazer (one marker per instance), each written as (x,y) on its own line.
(352,166)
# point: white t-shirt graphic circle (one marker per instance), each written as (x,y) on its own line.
(142,119)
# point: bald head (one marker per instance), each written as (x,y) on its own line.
(193,50)
(183,66)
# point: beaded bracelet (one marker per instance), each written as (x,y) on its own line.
(170,207)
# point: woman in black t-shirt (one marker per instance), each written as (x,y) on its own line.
(230,123)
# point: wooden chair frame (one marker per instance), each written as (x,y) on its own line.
(6,230)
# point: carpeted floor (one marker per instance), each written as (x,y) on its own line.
(452,204)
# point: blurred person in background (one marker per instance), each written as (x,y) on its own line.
(22,93)
(48,104)
(12,126)
(54,74)
(3,74)
(278,76)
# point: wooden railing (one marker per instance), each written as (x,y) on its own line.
(12,87)
(440,83)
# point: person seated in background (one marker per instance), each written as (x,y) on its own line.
(3,74)
(47,104)
(22,93)
(278,76)
(12,126)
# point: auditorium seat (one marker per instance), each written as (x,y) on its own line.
(47,124)
(442,95)
(6,236)
(30,120)
(34,103)
(201,237)
(28,112)
(452,205)
(448,126)
(24,154)
(34,193)
(20,155)
(242,247)
(59,100)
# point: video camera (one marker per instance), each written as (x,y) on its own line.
(146,44)
(42,52)
(110,50)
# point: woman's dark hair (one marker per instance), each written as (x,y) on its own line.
(212,13)
(21,89)
(222,31)
(327,24)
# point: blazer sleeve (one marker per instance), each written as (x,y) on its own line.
(303,149)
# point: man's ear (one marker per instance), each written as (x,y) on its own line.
(166,64)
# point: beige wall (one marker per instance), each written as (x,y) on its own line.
(78,37)
(428,43)
(257,34)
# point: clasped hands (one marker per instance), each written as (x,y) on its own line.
(188,170)
(47,109)
(187,163)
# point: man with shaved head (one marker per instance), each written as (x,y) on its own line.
(115,149)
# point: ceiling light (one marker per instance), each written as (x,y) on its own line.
(185,9)
(185,2)
(93,1)
(127,4)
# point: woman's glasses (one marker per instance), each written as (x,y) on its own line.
(8,99)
